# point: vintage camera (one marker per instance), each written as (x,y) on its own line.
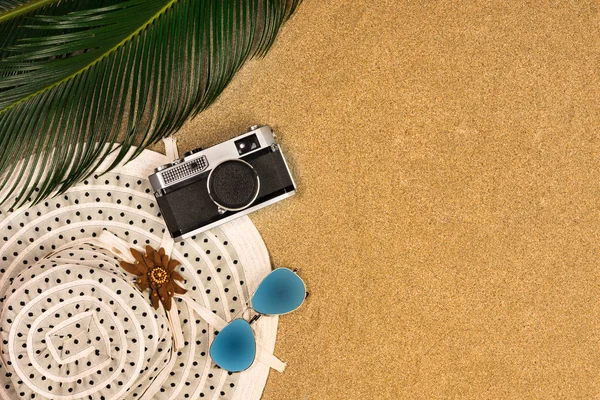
(209,187)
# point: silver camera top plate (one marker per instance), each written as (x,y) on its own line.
(198,161)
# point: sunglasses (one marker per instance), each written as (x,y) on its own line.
(280,292)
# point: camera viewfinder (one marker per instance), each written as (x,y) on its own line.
(247,144)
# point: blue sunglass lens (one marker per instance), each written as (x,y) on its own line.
(281,292)
(234,347)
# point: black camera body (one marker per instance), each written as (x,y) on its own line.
(208,187)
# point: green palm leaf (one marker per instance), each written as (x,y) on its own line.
(82,78)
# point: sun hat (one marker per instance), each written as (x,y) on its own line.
(76,326)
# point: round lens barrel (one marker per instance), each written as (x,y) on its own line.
(233,184)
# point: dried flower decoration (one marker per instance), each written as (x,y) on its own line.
(154,270)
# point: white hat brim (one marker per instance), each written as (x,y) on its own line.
(232,259)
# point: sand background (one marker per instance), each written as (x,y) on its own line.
(447,222)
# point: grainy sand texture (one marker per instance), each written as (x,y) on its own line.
(448,215)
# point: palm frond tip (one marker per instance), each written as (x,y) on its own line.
(82,78)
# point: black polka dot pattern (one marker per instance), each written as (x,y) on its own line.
(77,333)
(64,312)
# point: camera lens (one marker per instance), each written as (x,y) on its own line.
(233,185)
